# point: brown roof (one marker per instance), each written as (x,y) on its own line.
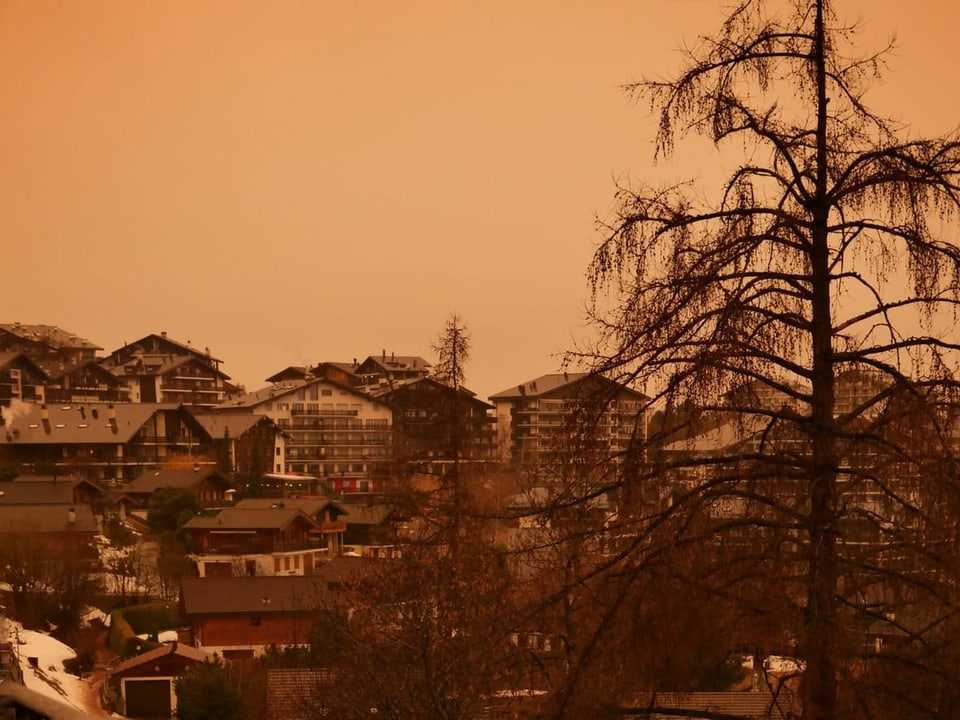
(311,506)
(184,651)
(37,491)
(47,519)
(152,480)
(233,423)
(279,391)
(547,384)
(246,518)
(6,358)
(153,343)
(367,514)
(746,705)
(50,335)
(398,362)
(86,423)
(296,693)
(257,595)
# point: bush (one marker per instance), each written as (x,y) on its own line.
(150,618)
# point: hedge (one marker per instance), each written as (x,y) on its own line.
(150,618)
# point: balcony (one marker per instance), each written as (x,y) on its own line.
(323,413)
(332,526)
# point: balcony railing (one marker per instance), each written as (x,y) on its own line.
(324,413)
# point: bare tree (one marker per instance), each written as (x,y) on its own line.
(787,325)
(453,352)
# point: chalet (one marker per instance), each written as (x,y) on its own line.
(249,442)
(45,342)
(211,487)
(85,381)
(258,540)
(338,372)
(331,429)
(154,344)
(239,617)
(146,681)
(391,369)
(434,424)
(369,526)
(50,531)
(50,490)
(104,441)
(168,378)
(326,513)
(21,379)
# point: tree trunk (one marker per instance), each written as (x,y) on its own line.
(819,644)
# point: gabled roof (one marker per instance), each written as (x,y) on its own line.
(87,423)
(50,335)
(160,364)
(311,506)
(296,693)
(278,392)
(367,514)
(387,389)
(153,343)
(234,424)
(559,384)
(46,491)
(539,386)
(47,519)
(55,370)
(37,703)
(9,358)
(394,362)
(151,480)
(294,373)
(291,372)
(257,595)
(179,649)
(747,705)
(249,518)
(718,438)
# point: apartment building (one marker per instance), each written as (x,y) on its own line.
(331,429)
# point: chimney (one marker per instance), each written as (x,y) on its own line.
(45,418)
(72,516)
(112,419)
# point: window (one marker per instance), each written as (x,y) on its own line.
(296,562)
(326,392)
(286,563)
(276,564)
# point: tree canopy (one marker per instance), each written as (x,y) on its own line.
(797,327)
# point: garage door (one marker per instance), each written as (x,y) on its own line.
(148,698)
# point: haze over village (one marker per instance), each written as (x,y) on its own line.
(450,361)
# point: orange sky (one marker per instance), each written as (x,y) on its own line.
(303,180)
